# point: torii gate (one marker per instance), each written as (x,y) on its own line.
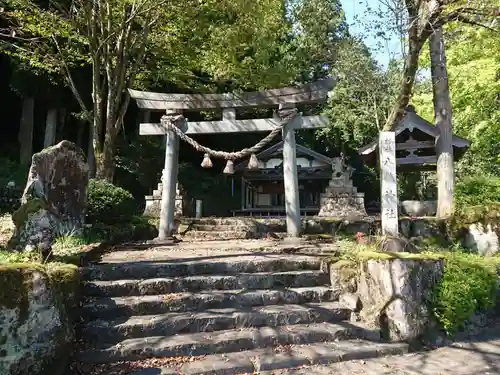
(285,98)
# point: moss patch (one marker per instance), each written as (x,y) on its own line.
(20,216)
(15,280)
(347,269)
(16,283)
(65,279)
(462,218)
(469,285)
(360,252)
(379,255)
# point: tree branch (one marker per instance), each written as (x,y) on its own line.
(69,78)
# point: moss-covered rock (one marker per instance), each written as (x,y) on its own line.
(54,200)
(396,294)
(343,275)
(36,305)
(21,215)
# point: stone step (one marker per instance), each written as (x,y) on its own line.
(245,263)
(258,280)
(218,221)
(170,324)
(220,228)
(274,359)
(198,235)
(110,308)
(196,344)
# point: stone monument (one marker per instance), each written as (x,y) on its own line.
(341,198)
(388,184)
(153,202)
(54,201)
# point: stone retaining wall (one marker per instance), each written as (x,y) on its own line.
(36,325)
(480,237)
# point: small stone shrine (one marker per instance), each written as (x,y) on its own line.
(341,198)
(153,202)
(54,200)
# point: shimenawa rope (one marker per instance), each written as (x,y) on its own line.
(286,116)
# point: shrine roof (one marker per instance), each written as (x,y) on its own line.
(409,123)
(277,149)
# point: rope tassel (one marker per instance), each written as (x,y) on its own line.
(229,169)
(253,163)
(206,163)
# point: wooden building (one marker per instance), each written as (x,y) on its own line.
(415,145)
(262,190)
(416,151)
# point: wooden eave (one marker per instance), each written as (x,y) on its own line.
(278,148)
(411,122)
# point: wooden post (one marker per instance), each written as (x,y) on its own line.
(199,207)
(50,128)
(290,179)
(169,181)
(443,118)
(388,182)
(243,194)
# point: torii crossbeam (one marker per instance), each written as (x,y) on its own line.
(279,98)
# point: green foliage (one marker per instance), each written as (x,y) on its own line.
(20,257)
(474,76)
(477,190)
(214,189)
(359,105)
(469,285)
(109,204)
(137,228)
(12,171)
(417,185)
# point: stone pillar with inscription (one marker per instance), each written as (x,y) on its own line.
(388,182)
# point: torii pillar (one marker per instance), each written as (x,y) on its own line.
(285,99)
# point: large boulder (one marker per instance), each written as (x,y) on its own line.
(54,200)
(396,295)
(36,311)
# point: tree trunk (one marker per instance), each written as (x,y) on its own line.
(25,136)
(106,162)
(407,82)
(443,119)
(91,151)
(50,128)
(63,118)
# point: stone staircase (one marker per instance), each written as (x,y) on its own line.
(216,229)
(232,312)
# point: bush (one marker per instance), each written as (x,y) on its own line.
(136,229)
(109,204)
(477,190)
(469,285)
